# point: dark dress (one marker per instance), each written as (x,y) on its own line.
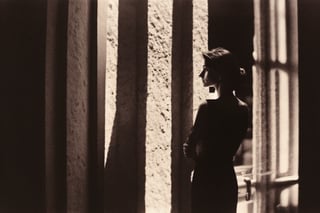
(217,133)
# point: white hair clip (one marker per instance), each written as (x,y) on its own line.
(242,71)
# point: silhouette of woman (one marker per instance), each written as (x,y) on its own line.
(217,133)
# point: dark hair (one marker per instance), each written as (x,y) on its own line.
(225,64)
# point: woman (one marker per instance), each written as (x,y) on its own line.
(218,131)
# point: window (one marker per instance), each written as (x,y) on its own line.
(275,107)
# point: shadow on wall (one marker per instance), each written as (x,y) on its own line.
(125,165)
(110,174)
(124,170)
(126,159)
(119,183)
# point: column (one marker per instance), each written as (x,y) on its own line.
(73,107)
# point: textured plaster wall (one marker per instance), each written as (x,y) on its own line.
(71,100)
(158,135)
(46,79)
(77,106)
(111,68)
(140,100)
(200,43)
(125,105)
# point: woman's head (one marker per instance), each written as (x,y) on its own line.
(220,67)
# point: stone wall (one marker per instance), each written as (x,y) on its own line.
(149,93)
(153,92)
(49,110)
(158,129)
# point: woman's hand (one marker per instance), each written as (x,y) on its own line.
(189,151)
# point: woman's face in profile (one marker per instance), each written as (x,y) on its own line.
(204,76)
(214,77)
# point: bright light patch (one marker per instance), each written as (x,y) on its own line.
(282,36)
(272,36)
(200,43)
(111,69)
(158,121)
(284,122)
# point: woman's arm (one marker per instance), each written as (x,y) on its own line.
(190,147)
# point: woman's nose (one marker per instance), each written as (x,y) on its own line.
(201,75)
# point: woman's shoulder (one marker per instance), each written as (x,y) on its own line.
(203,105)
(241,103)
(242,106)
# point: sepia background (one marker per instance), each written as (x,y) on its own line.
(98,97)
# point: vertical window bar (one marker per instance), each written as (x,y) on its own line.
(273,26)
(273,120)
